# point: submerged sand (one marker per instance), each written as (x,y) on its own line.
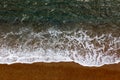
(85,44)
(58,71)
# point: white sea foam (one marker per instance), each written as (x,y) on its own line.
(54,45)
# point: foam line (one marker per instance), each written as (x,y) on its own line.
(54,45)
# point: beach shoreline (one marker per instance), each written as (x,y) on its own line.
(58,71)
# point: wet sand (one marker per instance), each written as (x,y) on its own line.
(58,71)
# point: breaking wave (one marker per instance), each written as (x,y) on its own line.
(55,45)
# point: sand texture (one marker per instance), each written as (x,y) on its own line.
(58,71)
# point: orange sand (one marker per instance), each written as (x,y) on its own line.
(58,71)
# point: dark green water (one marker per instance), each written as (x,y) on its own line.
(60,11)
(85,32)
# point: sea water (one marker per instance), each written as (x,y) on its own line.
(79,45)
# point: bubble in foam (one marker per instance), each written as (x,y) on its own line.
(54,45)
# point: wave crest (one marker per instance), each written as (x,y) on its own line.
(53,45)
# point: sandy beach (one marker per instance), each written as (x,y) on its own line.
(58,71)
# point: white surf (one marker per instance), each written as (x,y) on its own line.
(54,45)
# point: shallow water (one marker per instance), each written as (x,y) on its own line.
(83,44)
